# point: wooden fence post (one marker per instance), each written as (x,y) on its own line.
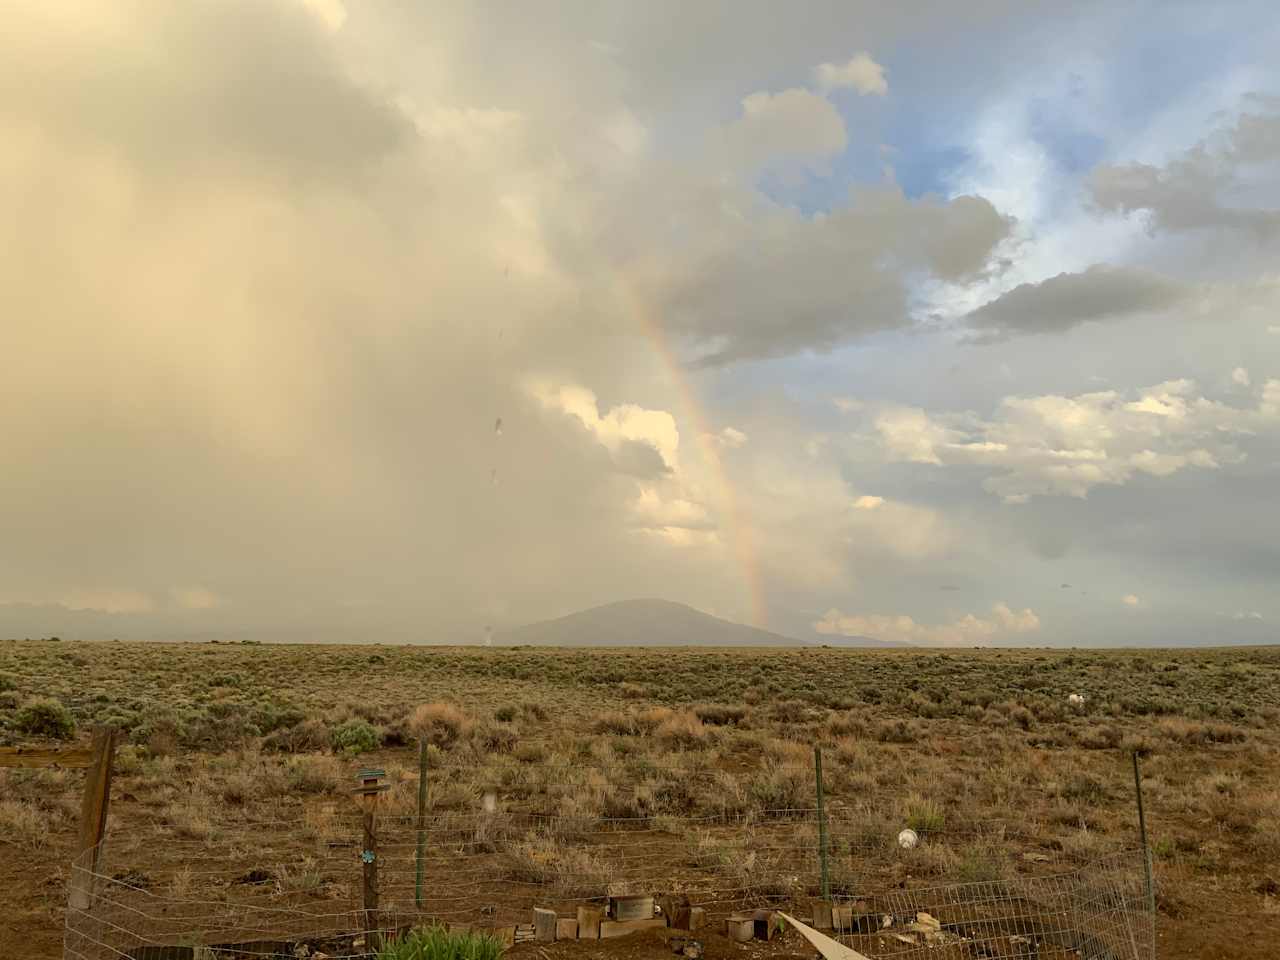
(824,874)
(93,817)
(372,783)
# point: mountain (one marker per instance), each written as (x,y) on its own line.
(642,623)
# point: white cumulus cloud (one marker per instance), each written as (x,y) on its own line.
(967,630)
(859,73)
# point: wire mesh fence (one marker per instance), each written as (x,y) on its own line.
(283,888)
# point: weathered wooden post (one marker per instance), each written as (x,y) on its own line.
(1142,833)
(822,826)
(93,817)
(421,851)
(372,783)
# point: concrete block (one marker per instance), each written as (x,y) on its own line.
(589,923)
(740,927)
(544,925)
(821,915)
(567,928)
(631,908)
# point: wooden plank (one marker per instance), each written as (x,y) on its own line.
(589,919)
(544,925)
(830,949)
(567,928)
(93,818)
(71,758)
(620,928)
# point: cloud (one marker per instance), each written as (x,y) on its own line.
(860,73)
(968,630)
(1243,615)
(868,502)
(194,598)
(621,425)
(107,600)
(730,438)
(746,278)
(1069,299)
(794,127)
(1065,446)
(1223,182)
(332,13)
(1240,377)
(1131,600)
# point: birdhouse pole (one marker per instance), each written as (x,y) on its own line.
(372,783)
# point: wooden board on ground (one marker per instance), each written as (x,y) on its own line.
(830,949)
(567,928)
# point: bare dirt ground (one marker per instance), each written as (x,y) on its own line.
(240,758)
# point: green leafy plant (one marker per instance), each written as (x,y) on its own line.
(356,736)
(437,943)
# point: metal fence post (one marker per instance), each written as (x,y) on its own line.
(421,853)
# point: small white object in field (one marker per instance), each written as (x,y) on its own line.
(1076,700)
(908,839)
(490,802)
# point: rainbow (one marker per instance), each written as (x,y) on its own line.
(740,532)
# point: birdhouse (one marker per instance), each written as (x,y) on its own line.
(370,784)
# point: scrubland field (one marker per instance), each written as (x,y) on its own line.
(978,750)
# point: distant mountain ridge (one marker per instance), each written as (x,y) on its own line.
(644,622)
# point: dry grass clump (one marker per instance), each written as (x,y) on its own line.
(24,824)
(682,730)
(308,736)
(570,872)
(898,731)
(317,774)
(780,789)
(721,714)
(1191,733)
(440,724)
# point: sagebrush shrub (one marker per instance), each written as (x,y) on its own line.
(355,736)
(45,717)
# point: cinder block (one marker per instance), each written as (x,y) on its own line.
(589,923)
(567,928)
(544,925)
(740,927)
(631,908)
(620,928)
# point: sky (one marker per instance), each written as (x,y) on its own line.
(949,324)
